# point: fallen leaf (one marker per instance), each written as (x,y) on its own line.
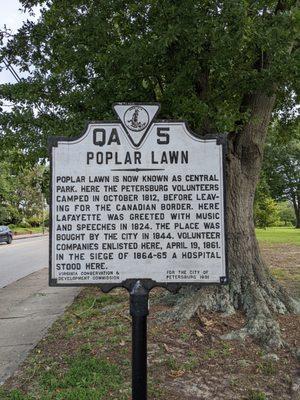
(198,334)
(209,322)
(176,374)
(167,348)
(204,321)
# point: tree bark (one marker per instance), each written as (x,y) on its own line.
(252,288)
(296,204)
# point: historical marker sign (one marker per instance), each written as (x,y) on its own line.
(137,198)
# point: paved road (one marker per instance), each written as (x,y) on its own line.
(21,258)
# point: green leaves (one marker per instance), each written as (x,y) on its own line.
(21,192)
(199,59)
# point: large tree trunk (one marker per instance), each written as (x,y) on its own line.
(251,287)
(296,204)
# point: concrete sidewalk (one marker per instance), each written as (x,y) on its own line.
(28,308)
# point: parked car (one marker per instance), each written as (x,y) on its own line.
(5,234)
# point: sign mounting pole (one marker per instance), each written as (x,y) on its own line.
(139,312)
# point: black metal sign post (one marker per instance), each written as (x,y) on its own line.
(139,312)
(127,215)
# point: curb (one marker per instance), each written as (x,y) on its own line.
(32,235)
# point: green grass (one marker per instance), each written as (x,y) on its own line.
(279,235)
(285,274)
(267,368)
(85,369)
(20,231)
(87,378)
(256,395)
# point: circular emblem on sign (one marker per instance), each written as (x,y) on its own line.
(136,118)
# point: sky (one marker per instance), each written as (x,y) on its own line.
(12,17)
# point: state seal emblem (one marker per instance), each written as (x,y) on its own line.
(136,118)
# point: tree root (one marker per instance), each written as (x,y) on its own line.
(260,304)
(189,300)
(265,330)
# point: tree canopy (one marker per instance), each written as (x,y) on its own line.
(200,59)
(282,165)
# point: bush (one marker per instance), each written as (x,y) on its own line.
(265,208)
(4,216)
(266,213)
(286,213)
(12,215)
(34,221)
(24,224)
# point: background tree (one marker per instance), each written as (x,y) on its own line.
(282,166)
(286,213)
(224,66)
(266,211)
(9,213)
(21,197)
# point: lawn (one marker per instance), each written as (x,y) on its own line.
(287,235)
(86,355)
(280,248)
(17,230)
